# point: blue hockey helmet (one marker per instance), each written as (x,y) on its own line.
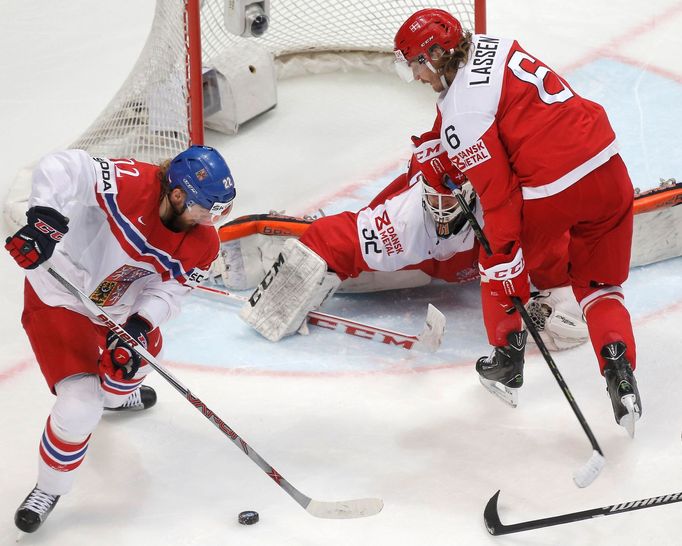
(201,172)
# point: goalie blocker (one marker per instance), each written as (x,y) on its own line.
(297,283)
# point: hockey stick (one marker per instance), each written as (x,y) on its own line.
(585,475)
(428,340)
(495,526)
(355,508)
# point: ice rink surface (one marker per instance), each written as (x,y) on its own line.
(341,417)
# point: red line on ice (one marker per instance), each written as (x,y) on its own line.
(15,370)
(610,49)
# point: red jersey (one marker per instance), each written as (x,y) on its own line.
(518,131)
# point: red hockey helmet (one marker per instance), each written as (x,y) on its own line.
(417,36)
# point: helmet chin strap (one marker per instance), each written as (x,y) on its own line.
(445,83)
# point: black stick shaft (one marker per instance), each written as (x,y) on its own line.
(529,325)
(496,527)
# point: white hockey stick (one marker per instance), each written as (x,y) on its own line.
(355,508)
(428,340)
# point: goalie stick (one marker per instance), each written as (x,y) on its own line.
(428,340)
(492,521)
(355,508)
(586,474)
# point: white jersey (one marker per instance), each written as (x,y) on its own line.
(398,233)
(116,251)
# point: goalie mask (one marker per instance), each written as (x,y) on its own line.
(444,208)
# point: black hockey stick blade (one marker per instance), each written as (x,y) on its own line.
(491,518)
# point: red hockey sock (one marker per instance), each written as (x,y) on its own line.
(607,321)
(498,323)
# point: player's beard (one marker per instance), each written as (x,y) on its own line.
(177,220)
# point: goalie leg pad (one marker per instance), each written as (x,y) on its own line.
(558,318)
(242,263)
(297,283)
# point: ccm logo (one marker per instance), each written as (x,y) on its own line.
(364,333)
(267,280)
(510,272)
(428,150)
(48,230)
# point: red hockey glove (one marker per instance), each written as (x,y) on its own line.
(119,360)
(506,276)
(430,158)
(34,243)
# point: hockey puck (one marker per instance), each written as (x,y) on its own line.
(248,518)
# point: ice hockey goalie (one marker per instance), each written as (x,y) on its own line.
(394,243)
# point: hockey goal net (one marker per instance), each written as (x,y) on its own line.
(158,111)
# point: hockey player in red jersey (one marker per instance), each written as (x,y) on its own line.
(544,163)
(411,232)
(134,236)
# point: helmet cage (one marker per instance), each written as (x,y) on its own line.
(445,210)
(443,207)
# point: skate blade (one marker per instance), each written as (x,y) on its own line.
(508,395)
(633,414)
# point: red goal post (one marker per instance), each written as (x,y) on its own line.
(159,109)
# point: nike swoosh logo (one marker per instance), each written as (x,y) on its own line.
(139,219)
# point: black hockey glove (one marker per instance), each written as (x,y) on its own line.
(34,243)
(119,360)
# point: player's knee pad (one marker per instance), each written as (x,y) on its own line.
(558,318)
(297,283)
(78,408)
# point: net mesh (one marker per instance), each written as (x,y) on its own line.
(148,118)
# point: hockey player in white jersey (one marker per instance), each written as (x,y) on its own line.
(136,238)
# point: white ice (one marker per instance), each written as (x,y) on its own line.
(341,417)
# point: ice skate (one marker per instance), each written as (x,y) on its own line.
(140,399)
(502,372)
(34,510)
(621,386)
